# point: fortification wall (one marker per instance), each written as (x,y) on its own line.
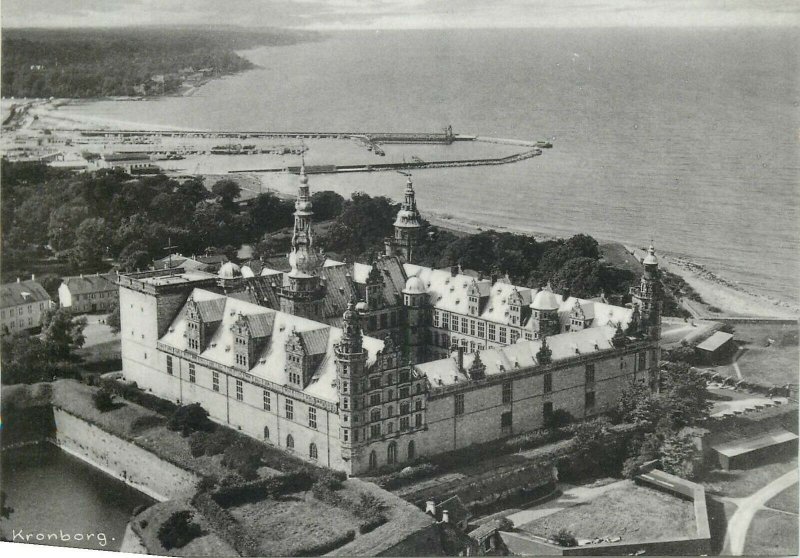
(131,464)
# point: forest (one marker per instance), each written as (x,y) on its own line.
(84,63)
(94,221)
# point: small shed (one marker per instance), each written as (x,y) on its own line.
(715,347)
(748,452)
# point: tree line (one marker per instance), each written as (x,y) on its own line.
(80,63)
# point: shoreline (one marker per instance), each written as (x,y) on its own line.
(714,289)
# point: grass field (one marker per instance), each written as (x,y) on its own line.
(286,526)
(764,361)
(631,512)
(772,534)
(786,501)
(719,513)
(744,482)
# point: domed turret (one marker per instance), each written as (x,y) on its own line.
(407,226)
(414,286)
(230,270)
(545,300)
(651,258)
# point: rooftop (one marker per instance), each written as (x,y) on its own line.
(22,292)
(715,341)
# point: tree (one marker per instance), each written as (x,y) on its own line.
(91,241)
(269,213)
(680,457)
(228,191)
(178,530)
(327,205)
(685,395)
(63,225)
(62,332)
(190,418)
(113,318)
(564,537)
(103,400)
(581,277)
(244,458)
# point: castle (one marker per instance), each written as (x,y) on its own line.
(358,366)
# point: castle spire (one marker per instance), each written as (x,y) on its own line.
(407,226)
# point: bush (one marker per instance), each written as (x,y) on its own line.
(565,538)
(226,525)
(133,394)
(372,523)
(255,491)
(190,418)
(103,400)
(330,479)
(206,484)
(178,530)
(145,422)
(244,458)
(326,546)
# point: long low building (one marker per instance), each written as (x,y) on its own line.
(23,303)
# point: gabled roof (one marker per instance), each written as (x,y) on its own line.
(260,325)
(210,310)
(271,358)
(715,341)
(24,292)
(520,355)
(84,284)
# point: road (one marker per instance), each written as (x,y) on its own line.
(739,523)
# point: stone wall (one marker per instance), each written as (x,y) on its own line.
(133,465)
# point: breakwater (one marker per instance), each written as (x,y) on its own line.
(329,169)
(378,137)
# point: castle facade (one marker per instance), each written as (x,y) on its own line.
(357,366)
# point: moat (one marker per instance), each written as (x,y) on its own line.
(53,492)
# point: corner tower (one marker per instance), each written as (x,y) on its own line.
(302,291)
(407,227)
(351,361)
(648,297)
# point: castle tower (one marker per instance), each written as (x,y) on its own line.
(351,360)
(545,313)
(415,306)
(302,291)
(407,227)
(648,297)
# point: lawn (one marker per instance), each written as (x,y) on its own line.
(287,526)
(786,501)
(772,534)
(739,483)
(719,513)
(763,361)
(631,512)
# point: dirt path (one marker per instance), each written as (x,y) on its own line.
(739,523)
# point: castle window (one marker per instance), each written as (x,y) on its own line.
(492,332)
(375,415)
(239,390)
(290,441)
(460,404)
(389,395)
(389,411)
(548,382)
(267,401)
(507,387)
(375,431)
(192,375)
(418,404)
(472,327)
(405,408)
(215,380)
(464,325)
(642,360)
(169,365)
(266,432)
(373,460)
(445,320)
(312,450)
(472,346)
(403,393)
(375,399)
(375,382)
(391,453)
(589,374)
(528,336)
(481,329)
(344,387)
(503,335)
(514,335)
(436,316)
(589,400)
(289,409)
(412,454)
(418,421)
(404,424)
(346,435)
(404,377)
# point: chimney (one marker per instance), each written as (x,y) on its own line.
(445,516)
(460,360)
(33,277)
(430,507)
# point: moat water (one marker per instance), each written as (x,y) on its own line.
(66,501)
(686,136)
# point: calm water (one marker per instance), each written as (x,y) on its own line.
(685,136)
(53,492)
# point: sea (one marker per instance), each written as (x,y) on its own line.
(686,137)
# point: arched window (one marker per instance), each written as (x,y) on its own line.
(266,432)
(391,453)
(412,451)
(375,415)
(373,460)
(312,451)
(289,442)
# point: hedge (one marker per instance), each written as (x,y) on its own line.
(226,525)
(255,491)
(135,395)
(325,546)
